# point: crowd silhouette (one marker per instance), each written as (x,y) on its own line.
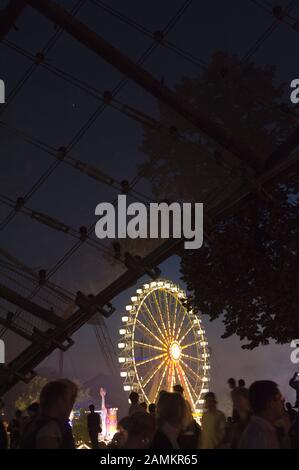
(259,420)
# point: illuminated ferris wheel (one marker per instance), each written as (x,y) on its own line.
(162,344)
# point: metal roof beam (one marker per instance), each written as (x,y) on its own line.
(40,312)
(117,59)
(34,354)
(23,365)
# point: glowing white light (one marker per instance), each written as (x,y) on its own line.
(146,286)
(121,345)
(160,283)
(139,291)
(128,307)
(71,418)
(201,402)
(121,360)
(205,379)
(205,390)
(127,388)
(203,343)
(175,351)
(153,284)
(124,319)
(205,356)
(167,285)
(207,367)
(123,374)
(134,298)
(122,331)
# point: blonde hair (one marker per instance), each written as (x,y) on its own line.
(52,391)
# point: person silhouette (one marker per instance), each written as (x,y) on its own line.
(3,433)
(267,406)
(51,428)
(233,389)
(214,427)
(135,405)
(94,427)
(291,412)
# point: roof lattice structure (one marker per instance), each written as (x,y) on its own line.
(71,103)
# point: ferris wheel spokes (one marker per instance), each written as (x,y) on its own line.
(151,346)
(149,331)
(192,358)
(194,396)
(146,361)
(185,346)
(152,374)
(191,371)
(174,316)
(156,381)
(167,314)
(153,319)
(158,309)
(161,381)
(184,384)
(180,324)
(170,378)
(186,332)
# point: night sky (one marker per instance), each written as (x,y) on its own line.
(54,111)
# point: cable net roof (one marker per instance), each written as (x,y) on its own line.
(72,127)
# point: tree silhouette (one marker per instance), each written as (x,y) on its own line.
(31,394)
(35,386)
(247,271)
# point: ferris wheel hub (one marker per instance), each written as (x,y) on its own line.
(175,351)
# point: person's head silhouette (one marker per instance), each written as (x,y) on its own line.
(232,383)
(178,389)
(134,397)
